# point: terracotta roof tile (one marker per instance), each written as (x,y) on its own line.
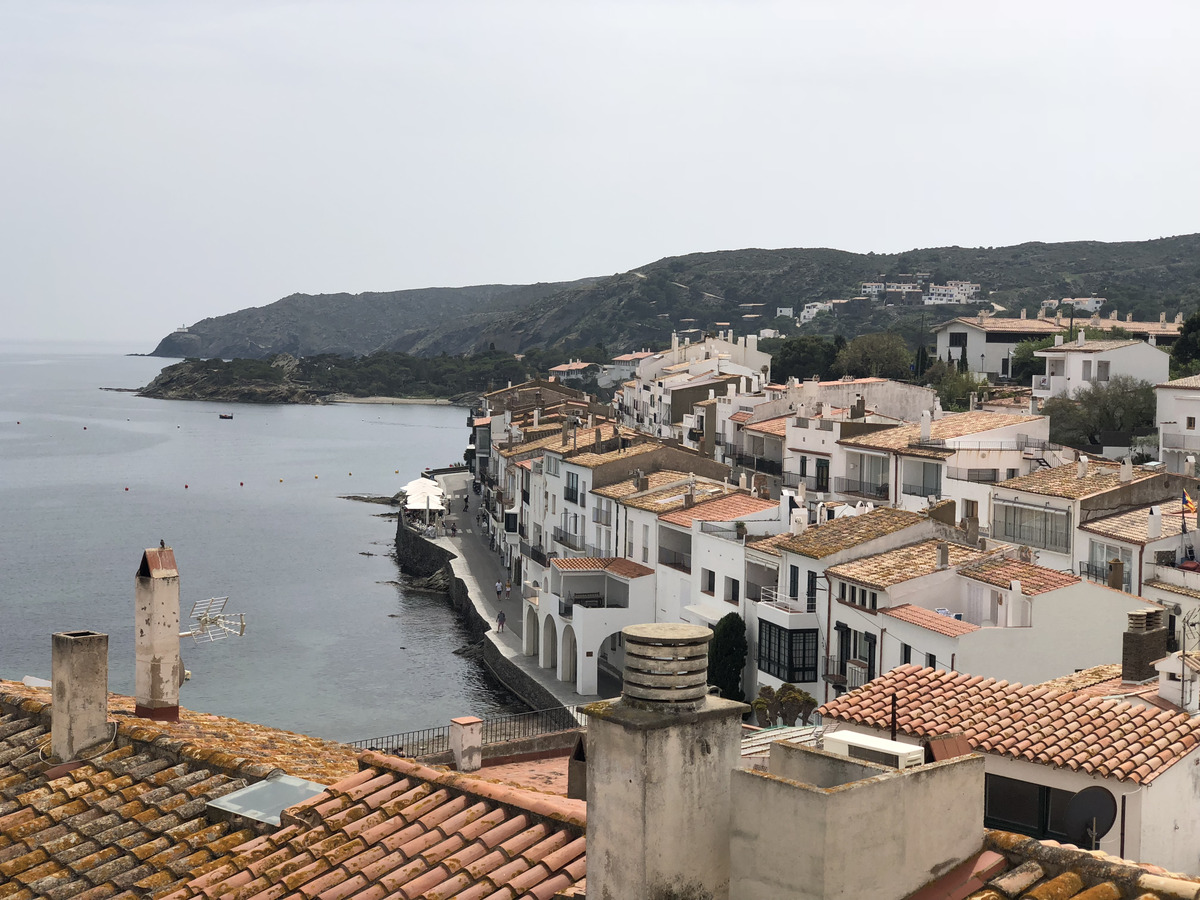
(628,486)
(1064,481)
(776,426)
(624,568)
(947,428)
(819,541)
(592,460)
(1034,579)
(669,499)
(459,837)
(902,564)
(722,509)
(741,417)
(1131,526)
(933,621)
(992,715)
(1172,588)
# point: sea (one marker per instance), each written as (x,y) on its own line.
(254,507)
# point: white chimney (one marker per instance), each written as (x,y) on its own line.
(799,523)
(937,408)
(1082,466)
(1154,523)
(943,555)
(926,424)
(158,670)
(1058,339)
(1126,471)
(79,675)
(1080,339)
(537,418)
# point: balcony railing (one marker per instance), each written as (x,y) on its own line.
(675,559)
(791,479)
(923,490)
(759,464)
(979,476)
(1099,572)
(771,597)
(862,488)
(721,530)
(574,541)
(601,516)
(571,495)
(1176,441)
(850,674)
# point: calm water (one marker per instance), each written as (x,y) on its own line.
(252,508)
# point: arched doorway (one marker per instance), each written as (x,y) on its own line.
(548,654)
(529,633)
(570,652)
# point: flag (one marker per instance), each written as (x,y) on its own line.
(1189,505)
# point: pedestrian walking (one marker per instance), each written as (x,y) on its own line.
(500,620)
(499,589)
(507,589)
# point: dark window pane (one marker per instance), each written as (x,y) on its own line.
(1012,804)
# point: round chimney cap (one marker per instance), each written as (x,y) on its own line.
(666,665)
(667,633)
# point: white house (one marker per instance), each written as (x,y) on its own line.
(1075,365)
(1178,410)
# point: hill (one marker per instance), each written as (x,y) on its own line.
(707,291)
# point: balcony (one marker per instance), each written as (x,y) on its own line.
(923,490)
(571,494)
(1177,441)
(572,541)
(759,464)
(675,559)
(850,673)
(723,531)
(601,516)
(1099,572)
(789,613)
(978,476)
(792,479)
(860,488)
(772,598)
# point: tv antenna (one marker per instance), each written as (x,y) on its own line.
(210,622)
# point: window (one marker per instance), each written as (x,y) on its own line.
(958,339)
(708,581)
(733,590)
(970,509)
(787,655)
(853,594)
(645,543)
(812,591)
(905,654)
(1026,808)
(874,600)
(571,491)
(1102,368)
(862,647)
(1087,370)
(1191,423)
(841,590)
(931,660)
(1043,527)
(551,465)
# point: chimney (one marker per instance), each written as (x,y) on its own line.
(973,401)
(1081,467)
(1058,317)
(937,408)
(1116,574)
(659,764)
(1154,524)
(1058,340)
(1126,470)
(1152,341)
(642,483)
(79,675)
(1178,318)
(1022,314)
(1112,316)
(1162,318)
(1041,314)
(597,438)
(689,499)
(743,481)
(799,521)
(1033,405)
(563,441)
(537,418)
(943,555)
(158,670)
(1129,317)
(1144,642)
(1080,338)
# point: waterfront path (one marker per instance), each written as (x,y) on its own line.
(479,568)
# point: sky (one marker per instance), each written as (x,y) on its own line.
(161,163)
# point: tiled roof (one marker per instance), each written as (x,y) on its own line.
(130,821)
(592,460)
(1131,526)
(740,416)
(1088,347)
(581,437)
(819,541)
(230,745)
(1105,738)
(902,564)
(996,323)
(1034,579)
(672,498)
(1190,383)
(625,568)
(933,621)
(1068,684)
(402,830)
(572,367)
(722,509)
(628,486)
(768,544)
(949,427)
(1063,481)
(776,426)
(1172,588)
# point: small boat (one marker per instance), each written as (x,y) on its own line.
(224,415)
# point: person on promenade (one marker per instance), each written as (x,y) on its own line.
(499,590)
(500,620)
(507,589)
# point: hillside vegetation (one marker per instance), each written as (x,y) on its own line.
(703,290)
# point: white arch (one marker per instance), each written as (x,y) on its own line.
(548,652)
(568,658)
(530,634)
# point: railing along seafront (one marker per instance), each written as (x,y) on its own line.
(497,730)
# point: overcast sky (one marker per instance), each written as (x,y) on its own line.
(165,162)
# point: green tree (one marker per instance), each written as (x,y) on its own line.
(1186,351)
(921,364)
(1024,364)
(874,355)
(803,356)
(962,361)
(1123,403)
(727,657)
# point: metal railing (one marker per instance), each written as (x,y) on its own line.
(571,495)
(759,464)
(574,541)
(497,730)
(423,742)
(979,476)
(862,488)
(792,479)
(771,597)
(601,516)
(1099,572)
(1021,442)
(721,530)
(675,559)
(854,675)
(923,490)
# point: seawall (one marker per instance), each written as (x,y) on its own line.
(422,558)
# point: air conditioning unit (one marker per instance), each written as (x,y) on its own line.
(874,749)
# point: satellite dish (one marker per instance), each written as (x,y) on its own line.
(211,623)
(1090,814)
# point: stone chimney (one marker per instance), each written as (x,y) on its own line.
(926,424)
(1129,317)
(1144,642)
(1022,314)
(1041,313)
(1154,524)
(943,555)
(79,675)
(1081,468)
(1125,473)
(973,401)
(1058,317)
(158,669)
(1112,316)
(689,499)
(597,438)
(1162,318)
(659,764)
